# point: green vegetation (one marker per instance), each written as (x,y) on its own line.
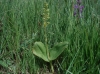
(22,25)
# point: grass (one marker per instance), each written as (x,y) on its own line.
(21,25)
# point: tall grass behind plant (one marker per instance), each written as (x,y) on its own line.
(18,28)
(85,38)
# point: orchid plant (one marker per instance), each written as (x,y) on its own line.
(41,50)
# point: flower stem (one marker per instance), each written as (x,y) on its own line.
(52,69)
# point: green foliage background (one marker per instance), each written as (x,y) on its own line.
(21,25)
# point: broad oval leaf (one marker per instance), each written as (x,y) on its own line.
(39,50)
(57,50)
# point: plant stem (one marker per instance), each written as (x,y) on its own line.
(47,51)
(52,69)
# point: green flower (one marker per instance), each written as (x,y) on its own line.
(45,15)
